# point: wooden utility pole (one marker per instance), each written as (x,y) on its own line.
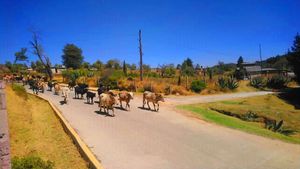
(260,59)
(141,55)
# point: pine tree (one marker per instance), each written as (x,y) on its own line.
(72,57)
(124,68)
(240,62)
(294,57)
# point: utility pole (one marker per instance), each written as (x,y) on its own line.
(141,55)
(260,59)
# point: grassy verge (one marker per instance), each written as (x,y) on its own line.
(35,130)
(204,112)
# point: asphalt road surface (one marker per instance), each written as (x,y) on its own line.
(168,139)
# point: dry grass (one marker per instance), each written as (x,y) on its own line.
(35,130)
(160,84)
(244,86)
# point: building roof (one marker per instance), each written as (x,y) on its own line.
(268,69)
(255,68)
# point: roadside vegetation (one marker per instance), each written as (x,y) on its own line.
(273,116)
(184,78)
(36,135)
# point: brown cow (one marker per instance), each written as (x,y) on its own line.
(41,86)
(126,97)
(107,101)
(152,97)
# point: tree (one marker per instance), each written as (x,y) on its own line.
(210,73)
(21,55)
(98,65)
(240,62)
(72,57)
(168,70)
(187,68)
(240,71)
(124,68)
(86,65)
(33,65)
(113,64)
(146,68)
(39,66)
(9,65)
(38,50)
(133,67)
(198,67)
(294,57)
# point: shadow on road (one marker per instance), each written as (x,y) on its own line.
(62,102)
(102,113)
(291,96)
(121,108)
(92,103)
(143,108)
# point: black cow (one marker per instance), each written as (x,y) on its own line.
(80,89)
(71,84)
(34,86)
(90,97)
(31,83)
(18,78)
(101,89)
(50,85)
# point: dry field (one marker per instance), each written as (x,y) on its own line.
(35,130)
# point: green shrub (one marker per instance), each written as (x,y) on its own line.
(257,82)
(31,162)
(151,74)
(198,85)
(73,75)
(278,82)
(132,75)
(20,91)
(112,83)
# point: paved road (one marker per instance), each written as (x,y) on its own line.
(141,139)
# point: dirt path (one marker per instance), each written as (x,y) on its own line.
(142,139)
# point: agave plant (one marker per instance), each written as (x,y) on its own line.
(232,83)
(257,82)
(222,83)
(278,82)
(274,126)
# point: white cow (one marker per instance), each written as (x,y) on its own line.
(65,94)
(107,101)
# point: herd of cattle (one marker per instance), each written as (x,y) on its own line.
(107,98)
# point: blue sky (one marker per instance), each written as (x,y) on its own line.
(206,31)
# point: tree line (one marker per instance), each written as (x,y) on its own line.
(72,58)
